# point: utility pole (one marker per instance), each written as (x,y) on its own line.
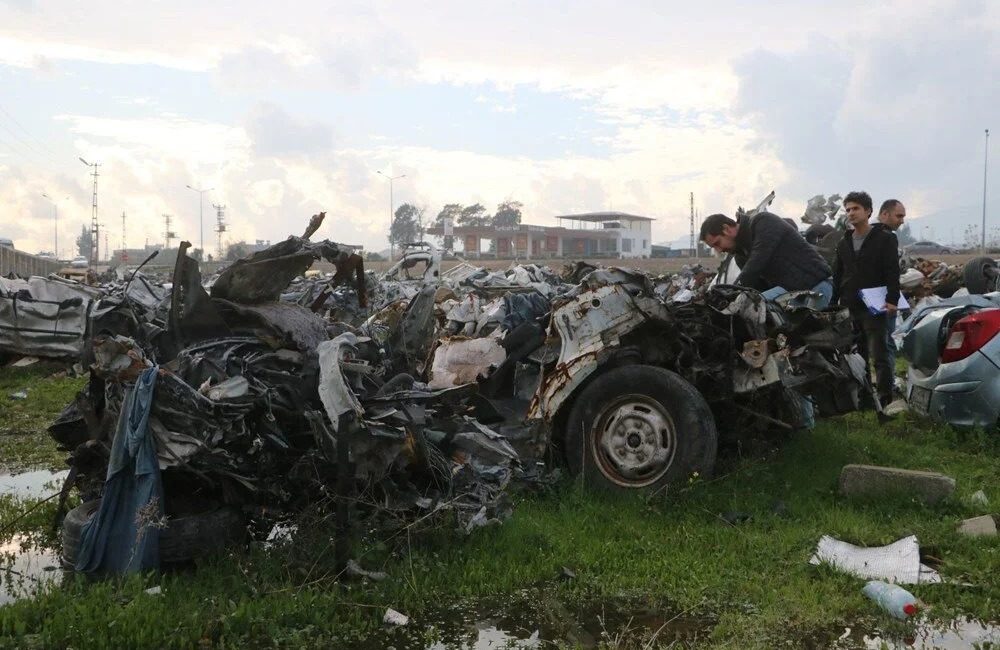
(986,160)
(95,228)
(694,250)
(220,226)
(392,251)
(201,221)
(124,243)
(168,234)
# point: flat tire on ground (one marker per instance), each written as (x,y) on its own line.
(182,540)
(639,427)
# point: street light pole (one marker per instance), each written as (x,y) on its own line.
(391,179)
(55,222)
(201,217)
(986,159)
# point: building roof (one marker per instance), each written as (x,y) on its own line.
(522,229)
(604,216)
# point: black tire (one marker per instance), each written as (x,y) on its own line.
(182,540)
(659,426)
(826,246)
(976,278)
(816,232)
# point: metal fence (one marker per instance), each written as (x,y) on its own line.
(23,264)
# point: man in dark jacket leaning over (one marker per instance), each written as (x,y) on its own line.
(772,255)
(867,257)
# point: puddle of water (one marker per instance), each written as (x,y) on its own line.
(37,484)
(535,620)
(25,568)
(958,634)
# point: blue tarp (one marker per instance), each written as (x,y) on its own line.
(124,535)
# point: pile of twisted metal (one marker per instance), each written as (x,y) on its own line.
(427,390)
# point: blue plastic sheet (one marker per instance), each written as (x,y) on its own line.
(124,535)
(522,307)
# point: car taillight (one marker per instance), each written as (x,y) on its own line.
(970,334)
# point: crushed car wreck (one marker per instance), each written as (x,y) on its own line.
(642,389)
(439,390)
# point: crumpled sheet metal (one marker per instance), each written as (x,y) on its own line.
(262,276)
(118,358)
(460,361)
(283,320)
(45,317)
(588,325)
(337,397)
(820,209)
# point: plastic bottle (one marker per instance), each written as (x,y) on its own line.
(892,598)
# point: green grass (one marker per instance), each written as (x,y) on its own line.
(23,439)
(672,551)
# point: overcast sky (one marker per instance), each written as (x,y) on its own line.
(286,109)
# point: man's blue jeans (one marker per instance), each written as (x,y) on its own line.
(824,289)
(890,344)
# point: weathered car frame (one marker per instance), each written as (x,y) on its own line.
(756,364)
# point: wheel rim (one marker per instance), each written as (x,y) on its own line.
(633,441)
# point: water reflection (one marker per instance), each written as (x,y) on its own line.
(958,634)
(25,567)
(37,484)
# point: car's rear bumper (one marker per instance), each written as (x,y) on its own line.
(964,393)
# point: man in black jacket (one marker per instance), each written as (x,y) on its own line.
(867,257)
(770,252)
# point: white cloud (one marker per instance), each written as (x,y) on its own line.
(692,98)
(276,133)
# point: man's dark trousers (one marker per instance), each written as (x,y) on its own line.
(874,329)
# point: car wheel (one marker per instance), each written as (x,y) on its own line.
(816,232)
(980,275)
(182,540)
(639,427)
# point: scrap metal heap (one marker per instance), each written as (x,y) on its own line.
(444,386)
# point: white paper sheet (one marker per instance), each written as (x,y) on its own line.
(874,299)
(898,562)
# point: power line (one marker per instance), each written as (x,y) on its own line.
(48,151)
(32,150)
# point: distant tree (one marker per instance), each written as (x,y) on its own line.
(972,237)
(85,242)
(904,236)
(508,214)
(372,256)
(451,211)
(237,250)
(474,215)
(196,254)
(405,224)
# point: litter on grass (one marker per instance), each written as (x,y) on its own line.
(898,562)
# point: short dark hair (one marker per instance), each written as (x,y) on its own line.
(861,198)
(714,224)
(889,204)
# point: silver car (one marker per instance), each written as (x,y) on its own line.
(927,248)
(954,355)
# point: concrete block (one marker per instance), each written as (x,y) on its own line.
(871,481)
(985,526)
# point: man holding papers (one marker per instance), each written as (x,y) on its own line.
(867,258)
(890,217)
